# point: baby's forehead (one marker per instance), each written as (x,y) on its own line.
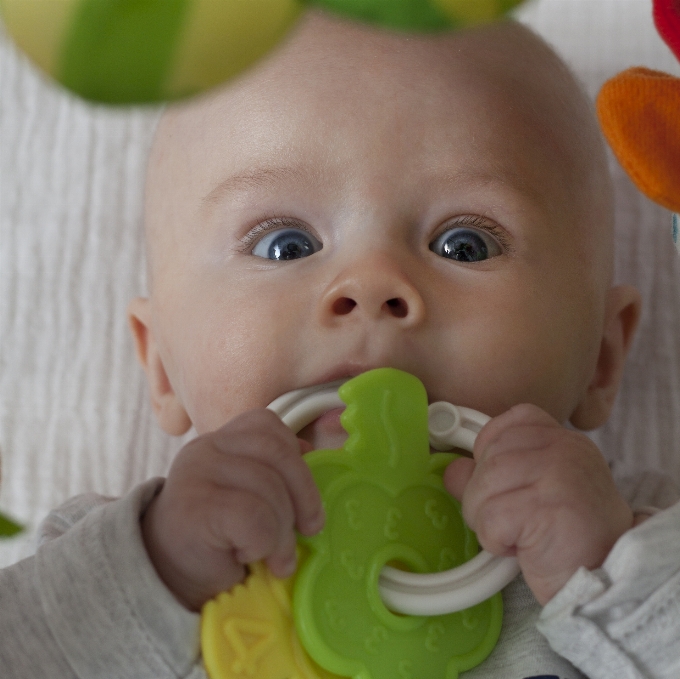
(331,69)
(334,74)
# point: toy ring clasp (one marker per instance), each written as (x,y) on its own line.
(403,592)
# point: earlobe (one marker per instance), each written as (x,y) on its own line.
(621,319)
(170,412)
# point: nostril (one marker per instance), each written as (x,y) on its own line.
(397,307)
(342,306)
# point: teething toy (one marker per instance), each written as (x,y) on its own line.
(414,593)
(385,502)
(639,111)
(142,51)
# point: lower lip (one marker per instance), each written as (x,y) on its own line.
(330,420)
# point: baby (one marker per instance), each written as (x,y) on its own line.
(438,204)
(435,204)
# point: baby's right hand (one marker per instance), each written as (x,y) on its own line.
(232,497)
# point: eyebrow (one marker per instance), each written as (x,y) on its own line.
(259,178)
(483,178)
(509,180)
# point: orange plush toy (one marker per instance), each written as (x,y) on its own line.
(639,111)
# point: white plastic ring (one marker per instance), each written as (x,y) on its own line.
(418,593)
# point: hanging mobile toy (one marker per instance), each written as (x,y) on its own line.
(8,528)
(144,51)
(639,111)
(435,611)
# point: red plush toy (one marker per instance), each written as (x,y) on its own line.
(639,111)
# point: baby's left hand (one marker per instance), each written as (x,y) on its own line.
(541,492)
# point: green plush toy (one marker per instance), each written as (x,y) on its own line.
(145,51)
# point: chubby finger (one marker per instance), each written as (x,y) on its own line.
(260,435)
(457,476)
(240,473)
(498,522)
(522,415)
(305,446)
(253,530)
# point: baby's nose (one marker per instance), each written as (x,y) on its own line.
(395,306)
(374,288)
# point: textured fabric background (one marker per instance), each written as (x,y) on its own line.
(74,413)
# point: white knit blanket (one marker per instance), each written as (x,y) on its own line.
(74,412)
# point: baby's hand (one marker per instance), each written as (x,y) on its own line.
(541,492)
(232,497)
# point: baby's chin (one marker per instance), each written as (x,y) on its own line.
(325,432)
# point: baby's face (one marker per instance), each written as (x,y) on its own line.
(325,217)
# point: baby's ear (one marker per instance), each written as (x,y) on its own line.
(622,314)
(170,412)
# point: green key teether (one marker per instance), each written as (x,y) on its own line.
(386,503)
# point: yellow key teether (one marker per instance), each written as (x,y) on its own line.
(249,632)
(385,504)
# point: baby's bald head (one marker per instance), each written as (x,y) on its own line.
(332,70)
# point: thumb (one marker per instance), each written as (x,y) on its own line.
(305,446)
(457,475)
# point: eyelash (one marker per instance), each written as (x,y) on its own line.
(270,223)
(481,223)
(265,225)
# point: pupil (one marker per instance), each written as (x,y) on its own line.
(466,247)
(290,246)
(290,251)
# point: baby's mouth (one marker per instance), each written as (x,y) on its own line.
(325,431)
(314,415)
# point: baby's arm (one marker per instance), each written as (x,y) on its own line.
(542,492)
(89,603)
(232,497)
(623,619)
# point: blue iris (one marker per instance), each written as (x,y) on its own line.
(464,245)
(286,244)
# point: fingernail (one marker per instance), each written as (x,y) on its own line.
(289,567)
(317,523)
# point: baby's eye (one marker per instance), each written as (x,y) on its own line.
(285,244)
(464,244)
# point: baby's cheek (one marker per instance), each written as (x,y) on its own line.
(539,370)
(213,391)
